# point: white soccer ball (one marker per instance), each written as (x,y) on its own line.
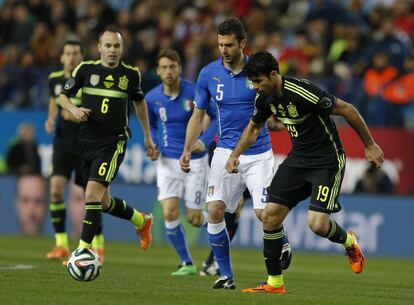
(84,265)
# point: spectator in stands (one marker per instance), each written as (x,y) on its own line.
(374,180)
(22,156)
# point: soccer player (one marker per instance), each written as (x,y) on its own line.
(224,82)
(315,166)
(170,105)
(107,85)
(66,159)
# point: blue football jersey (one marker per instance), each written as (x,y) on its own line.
(169,117)
(234,97)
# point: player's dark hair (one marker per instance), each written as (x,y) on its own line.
(170,54)
(260,63)
(110,29)
(71,43)
(231,26)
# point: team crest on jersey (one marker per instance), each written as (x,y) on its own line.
(187,104)
(94,80)
(210,191)
(273,108)
(293,112)
(58,89)
(123,82)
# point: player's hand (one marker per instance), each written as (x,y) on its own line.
(50,125)
(232,164)
(374,154)
(152,151)
(185,161)
(198,147)
(81,113)
(68,116)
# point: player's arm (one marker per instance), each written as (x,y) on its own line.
(209,130)
(51,115)
(194,129)
(153,120)
(141,110)
(248,138)
(372,151)
(68,116)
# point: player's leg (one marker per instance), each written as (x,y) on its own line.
(324,201)
(257,172)
(222,186)
(288,187)
(119,208)
(58,217)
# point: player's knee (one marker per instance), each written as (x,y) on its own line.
(56,194)
(195,219)
(171,214)
(271,219)
(216,212)
(317,226)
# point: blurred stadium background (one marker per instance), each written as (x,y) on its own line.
(360,50)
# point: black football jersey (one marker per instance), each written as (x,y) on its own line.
(106,91)
(304,108)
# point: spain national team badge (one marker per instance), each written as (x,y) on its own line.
(293,112)
(210,191)
(123,82)
(94,80)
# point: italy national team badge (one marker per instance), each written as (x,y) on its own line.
(249,84)
(293,112)
(94,79)
(187,105)
(123,82)
(210,191)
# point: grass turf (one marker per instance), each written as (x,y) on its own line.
(131,276)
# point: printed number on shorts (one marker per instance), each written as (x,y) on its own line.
(323,192)
(198,198)
(102,169)
(264,196)
(292,130)
(104,105)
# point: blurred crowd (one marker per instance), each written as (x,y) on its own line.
(361,50)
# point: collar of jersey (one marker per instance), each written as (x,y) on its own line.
(179,92)
(231,72)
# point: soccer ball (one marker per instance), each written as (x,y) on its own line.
(84,265)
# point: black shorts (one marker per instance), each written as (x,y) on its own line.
(65,162)
(290,185)
(101,161)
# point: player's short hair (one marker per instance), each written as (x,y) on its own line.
(231,26)
(110,29)
(170,54)
(71,43)
(260,63)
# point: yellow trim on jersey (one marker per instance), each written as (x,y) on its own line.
(341,164)
(88,62)
(130,67)
(104,92)
(306,94)
(56,74)
(114,161)
(293,121)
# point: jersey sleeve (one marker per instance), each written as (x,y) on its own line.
(202,95)
(51,86)
(261,109)
(136,93)
(75,82)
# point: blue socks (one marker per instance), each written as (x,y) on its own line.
(220,243)
(176,236)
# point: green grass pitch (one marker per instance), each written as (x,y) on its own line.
(131,276)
